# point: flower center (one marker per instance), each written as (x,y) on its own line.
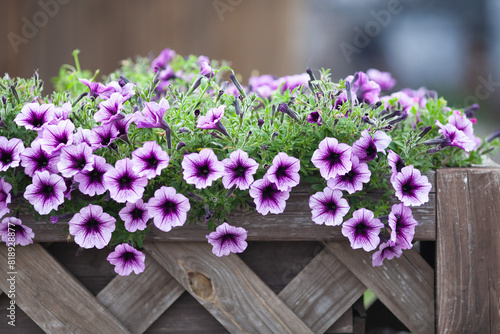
(80,163)
(331,206)
(227,237)
(333,158)
(95,176)
(399,165)
(92,225)
(37,121)
(408,188)
(47,189)
(6,157)
(349,177)
(125,180)
(203,171)
(169,207)
(269,192)
(361,230)
(137,213)
(152,162)
(128,256)
(371,151)
(281,172)
(240,171)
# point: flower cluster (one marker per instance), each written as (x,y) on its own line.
(162,143)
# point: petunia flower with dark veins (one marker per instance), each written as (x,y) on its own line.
(284,171)
(201,169)
(5,197)
(332,158)
(411,187)
(362,230)
(168,208)
(239,170)
(227,239)
(395,162)
(53,137)
(267,197)
(23,234)
(75,159)
(386,250)
(149,160)
(10,152)
(123,183)
(135,216)
(92,182)
(212,120)
(110,110)
(367,146)
(34,116)
(103,136)
(92,227)
(328,207)
(126,259)
(46,192)
(402,226)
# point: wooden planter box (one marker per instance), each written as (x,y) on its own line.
(315,295)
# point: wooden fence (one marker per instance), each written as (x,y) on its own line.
(265,289)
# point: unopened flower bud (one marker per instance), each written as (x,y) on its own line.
(237,84)
(425,131)
(184,130)
(470,110)
(274,135)
(260,123)
(197,113)
(180,145)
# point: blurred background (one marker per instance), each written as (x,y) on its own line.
(450,46)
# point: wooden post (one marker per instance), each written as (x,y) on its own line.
(468,250)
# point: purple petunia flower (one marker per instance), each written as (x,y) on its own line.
(267,197)
(168,208)
(404,102)
(332,158)
(92,227)
(122,126)
(239,170)
(10,152)
(383,79)
(149,160)
(152,115)
(363,89)
(328,207)
(201,169)
(206,70)
(61,113)
(126,91)
(212,120)
(126,259)
(163,58)
(411,187)
(284,172)
(92,182)
(135,216)
(314,118)
(366,147)
(227,239)
(110,110)
(46,192)
(386,251)
(34,116)
(103,136)
(362,230)
(396,164)
(354,179)
(5,197)
(75,159)
(22,235)
(96,88)
(456,137)
(53,137)
(123,183)
(402,226)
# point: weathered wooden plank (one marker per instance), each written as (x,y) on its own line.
(468,251)
(294,224)
(322,292)
(138,300)
(40,281)
(399,284)
(225,286)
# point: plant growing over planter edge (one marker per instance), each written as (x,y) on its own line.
(173,140)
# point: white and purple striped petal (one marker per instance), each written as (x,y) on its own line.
(34,116)
(168,208)
(92,227)
(123,183)
(332,158)
(267,197)
(363,230)
(10,152)
(92,182)
(402,226)
(75,159)
(284,172)
(53,137)
(201,169)
(149,160)
(328,207)
(354,179)
(239,170)
(23,235)
(411,187)
(126,259)
(46,192)
(135,216)
(227,239)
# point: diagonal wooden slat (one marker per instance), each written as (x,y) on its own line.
(400,284)
(227,288)
(322,291)
(138,300)
(40,281)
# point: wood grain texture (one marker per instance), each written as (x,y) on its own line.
(468,251)
(139,300)
(322,292)
(225,286)
(40,283)
(402,286)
